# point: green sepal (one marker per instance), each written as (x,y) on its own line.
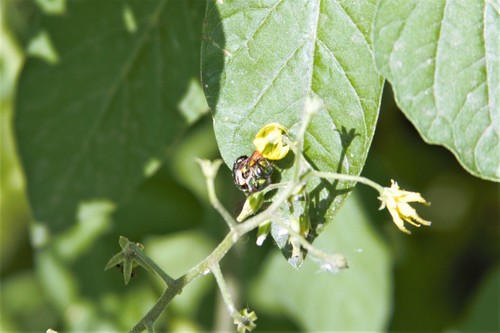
(123,241)
(116,260)
(127,269)
(127,258)
(252,205)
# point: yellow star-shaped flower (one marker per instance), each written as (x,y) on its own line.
(396,201)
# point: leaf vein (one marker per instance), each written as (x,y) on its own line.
(356,26)
(399,36)
(314,37)
(252,109)
(435,76)
(349,80)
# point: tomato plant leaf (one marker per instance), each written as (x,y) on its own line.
(443,61)
(262,59)
(98,102)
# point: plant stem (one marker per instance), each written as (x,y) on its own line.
(211,262)
(226,296)
(306,119)
(216,256)
(141,257)
(205,266)
(176,286)
(148,320)
(212,196)
(339,176)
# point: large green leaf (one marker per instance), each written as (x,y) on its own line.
(95,114)
(443,61)
(482,314)
(262,59)
(357,299)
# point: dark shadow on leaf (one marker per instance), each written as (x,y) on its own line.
(212,54)
(287,162)
(321,197)
(281,165)
(346,138)
(319,203)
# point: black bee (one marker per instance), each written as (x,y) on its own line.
(252,174)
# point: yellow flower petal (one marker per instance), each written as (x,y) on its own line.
(269,141)
(396,201)
(398,221)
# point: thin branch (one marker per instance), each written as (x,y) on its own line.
(148,263)
(339,176)
(336,261)
(210,169)
(149,319)
(226,296)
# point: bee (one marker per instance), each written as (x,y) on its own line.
(252,174)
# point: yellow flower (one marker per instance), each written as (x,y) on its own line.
(396,201)
(269,141)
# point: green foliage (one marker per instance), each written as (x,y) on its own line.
(254,74)
(107,124)
(482,313)
(94,116)
(11,178)
(442,59)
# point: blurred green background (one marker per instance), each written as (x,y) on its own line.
(442,278)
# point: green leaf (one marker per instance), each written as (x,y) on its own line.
(356,299)
(158,206)
(261,60)
(482,312)
(98,100)
(443,61)
(25,303)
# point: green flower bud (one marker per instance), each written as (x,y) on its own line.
(252,205)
